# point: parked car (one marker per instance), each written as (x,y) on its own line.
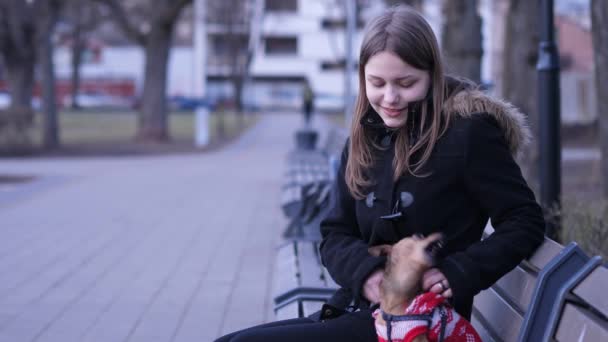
(99,100)
(5,100)
(180,102)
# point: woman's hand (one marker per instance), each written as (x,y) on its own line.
(433,280)
(371,288)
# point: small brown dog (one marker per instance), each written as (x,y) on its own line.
(405,314)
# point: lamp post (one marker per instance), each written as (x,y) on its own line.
(550,118)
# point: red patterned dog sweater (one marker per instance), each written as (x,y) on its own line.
(430,314)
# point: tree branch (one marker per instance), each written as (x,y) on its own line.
(121,18)
(20,27)
(173,9)
(91,17)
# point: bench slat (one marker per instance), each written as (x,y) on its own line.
(310,270)
(481,330)
(289,311)
(310,307)
(578,325)
(286,269)
(502,319)
(590,289)
(329,281)
(547,251)
(518,285)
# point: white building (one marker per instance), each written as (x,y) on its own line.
(300,40)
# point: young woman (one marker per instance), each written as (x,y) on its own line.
(427,153)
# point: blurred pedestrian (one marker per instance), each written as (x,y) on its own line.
(307,102)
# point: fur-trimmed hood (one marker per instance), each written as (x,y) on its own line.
(512,121)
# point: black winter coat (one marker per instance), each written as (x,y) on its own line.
(473,178)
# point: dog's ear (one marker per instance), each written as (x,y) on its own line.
(380,250)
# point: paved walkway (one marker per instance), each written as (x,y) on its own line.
(173,248)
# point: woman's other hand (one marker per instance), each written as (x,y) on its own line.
(371,288)
(433,280)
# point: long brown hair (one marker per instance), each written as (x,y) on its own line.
(403,31)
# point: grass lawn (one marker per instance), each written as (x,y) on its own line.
(95,127)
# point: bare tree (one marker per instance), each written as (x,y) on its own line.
(47,13)
(25,36)
(519,70)
(599,28)
(461,38)
(150,24)
(84,16)
(237,40)
(417,4)
(17,47)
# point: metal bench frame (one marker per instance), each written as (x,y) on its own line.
(535,301)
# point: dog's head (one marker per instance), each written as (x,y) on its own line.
(415,253)
(407,261)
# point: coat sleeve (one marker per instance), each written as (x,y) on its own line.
(343,250)
(494,179)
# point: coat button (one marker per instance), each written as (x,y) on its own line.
(406,199)
(328,312)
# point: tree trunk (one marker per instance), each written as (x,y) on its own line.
(77,47)
(17,44)
(461,38)
(520,78)
(14,137)
(46,24)
(153,125)
(17,49)
(599,27)
(20,79)
(76,63)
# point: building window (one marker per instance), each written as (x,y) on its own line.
(281,46)
(333,65)
(336,65)
(281,5)
(338,23)
(228,44)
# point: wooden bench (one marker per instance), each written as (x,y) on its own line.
(308,181)
(556,295)
(302,284)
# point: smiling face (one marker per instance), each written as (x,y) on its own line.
(391,84)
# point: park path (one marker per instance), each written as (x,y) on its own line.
(162,248)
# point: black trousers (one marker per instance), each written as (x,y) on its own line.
(356,326)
